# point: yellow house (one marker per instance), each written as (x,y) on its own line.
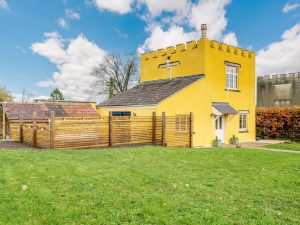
(214,81)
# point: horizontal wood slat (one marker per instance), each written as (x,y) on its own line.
(84,132)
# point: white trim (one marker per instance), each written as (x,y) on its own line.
(243,111)
(219,131)
(170,64)
(232,64)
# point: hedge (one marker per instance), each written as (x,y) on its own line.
(278,122)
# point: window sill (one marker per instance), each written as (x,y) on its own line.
(243,131)
(233,90)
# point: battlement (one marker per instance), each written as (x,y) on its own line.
(279,77)
(192,45)
(231,49)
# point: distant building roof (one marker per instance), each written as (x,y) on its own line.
(43,110)
(151,92)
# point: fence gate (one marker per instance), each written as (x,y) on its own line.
(121,130)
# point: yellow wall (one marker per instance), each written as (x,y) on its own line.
(203,57)
(190,56)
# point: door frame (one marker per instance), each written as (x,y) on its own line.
(222,117)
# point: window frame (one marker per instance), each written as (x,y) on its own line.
(232,76)
(243,121)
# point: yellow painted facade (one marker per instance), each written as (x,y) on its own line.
(208,58)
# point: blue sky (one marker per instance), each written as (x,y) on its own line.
(48,44)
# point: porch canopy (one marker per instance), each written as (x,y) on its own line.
(223,108)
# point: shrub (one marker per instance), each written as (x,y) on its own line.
(278,122)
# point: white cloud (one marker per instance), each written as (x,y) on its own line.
(230,39)
(21,49)
(120,33)
(74,61)
(169,29)
(4,5)
(52,48)
(118,6)
(211,12)
(72,15)
(282,56)
(69,15)
(161,39)
(63,23)
(290,6)
(156,7)
(19,98)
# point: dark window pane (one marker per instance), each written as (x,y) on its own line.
(121,113)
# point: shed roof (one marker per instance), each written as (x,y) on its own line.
(151,92)
(43,110)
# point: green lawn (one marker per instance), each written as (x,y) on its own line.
(286,146)
(149,185)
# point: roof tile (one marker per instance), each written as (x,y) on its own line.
(43,110)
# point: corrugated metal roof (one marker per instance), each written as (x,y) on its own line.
(43,110)
(151,92)
(224,108)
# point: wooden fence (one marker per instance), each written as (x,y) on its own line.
(34,133)
(85,132)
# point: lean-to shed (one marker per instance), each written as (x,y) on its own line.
(31,122)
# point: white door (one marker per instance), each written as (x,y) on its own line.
(219,125)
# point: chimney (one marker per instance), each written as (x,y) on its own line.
(203,30)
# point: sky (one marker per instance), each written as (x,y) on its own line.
(55,44)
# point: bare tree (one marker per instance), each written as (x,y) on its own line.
(114,74)
(26,96)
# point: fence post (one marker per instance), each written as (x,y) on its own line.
(154,128)
(21,127)
(3,125)
(191,129)
(163,129)
(34,129)
(52,126)
(110,129)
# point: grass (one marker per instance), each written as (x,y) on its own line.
(149,185)
(286,146)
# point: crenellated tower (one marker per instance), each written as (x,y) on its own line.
(191,58)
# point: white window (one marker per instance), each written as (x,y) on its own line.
(243,121)
(231,77)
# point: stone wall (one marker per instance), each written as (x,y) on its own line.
(278,90)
